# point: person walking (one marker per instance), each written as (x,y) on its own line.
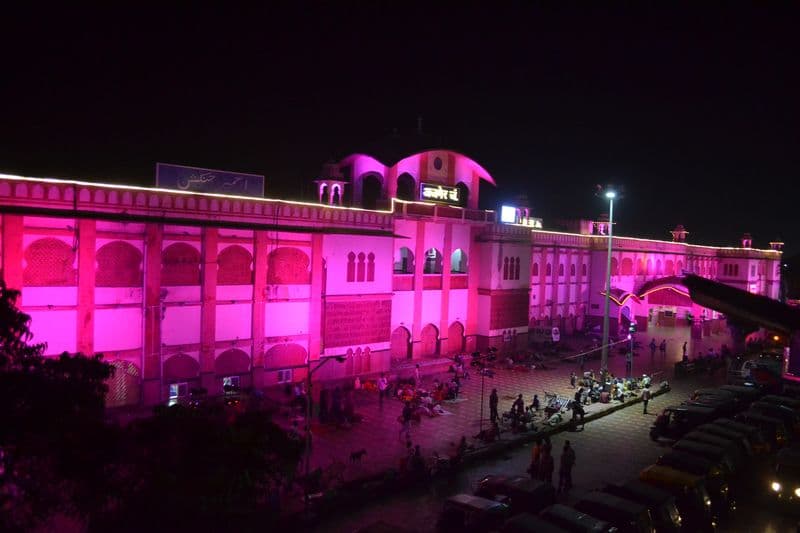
(536,404)
(383,385)
(493,401)
(685,358)
(645,398)
(653,347)
(663,348)
(405,421)
(546,466)
(573,379)
(417,380)
(565,469)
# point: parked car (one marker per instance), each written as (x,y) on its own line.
(773,429)
(716,475)
(790,417)
(691,495)
(467,513)
(660,503)
(758,442)
(628,516)
(521,493)
(575,521)
(677,420)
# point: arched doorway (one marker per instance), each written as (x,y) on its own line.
(406,187)
(429,340)
(455,338)
(370,191)
(401,343)
(463,194)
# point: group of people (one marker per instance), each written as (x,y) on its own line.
(661,347)
(542,464)
(337,407)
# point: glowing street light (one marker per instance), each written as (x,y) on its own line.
(610,194)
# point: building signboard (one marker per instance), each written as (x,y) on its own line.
(210,181)
(430,192)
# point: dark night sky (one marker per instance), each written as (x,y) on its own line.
(694,112)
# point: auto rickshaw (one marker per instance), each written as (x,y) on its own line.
(788,401)
(722,406)
(709,451)
(663,510)
(773,429)
(784,483)
(746,394)
(731,434)
(733,447)
(627,516)
(716,475)
(677,420)
(465,512)
(758,442)
(790,417)
(528,523)
(690,493)
(575,521)
(523,493)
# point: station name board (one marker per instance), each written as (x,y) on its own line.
(439,193)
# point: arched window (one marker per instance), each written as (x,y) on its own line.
(404,261)
(627,266)
(458,262)
(433,262)
(658,267)
(463,194)
(370,191)
(583,270)
(371,267)
(351,267)
(548,271)
(406,187)
(180,265)
(572,270)
(360,276)
(535,269)
(505,268)
(561,270)
(679,268)
(640,267)
(649,267)
(323,194)
(614,267)
(669,267)
(516,269)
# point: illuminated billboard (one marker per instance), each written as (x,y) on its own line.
(430,192)
(508,214)
(206,180)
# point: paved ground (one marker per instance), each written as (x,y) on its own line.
(378,433)
(613,448)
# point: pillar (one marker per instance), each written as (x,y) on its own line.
(473,281)
(316,310)
(444,321)
(151,364)
(208,308)
(260,265)
(87,237)
(419,281)
(13,252)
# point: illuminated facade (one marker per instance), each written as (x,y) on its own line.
(180,290)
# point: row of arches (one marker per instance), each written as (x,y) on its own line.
(645,268)
(511,268)
(51,262)
(407,189)
(404,261)
(430,342)
(548,271)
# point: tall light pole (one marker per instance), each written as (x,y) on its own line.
(604,354)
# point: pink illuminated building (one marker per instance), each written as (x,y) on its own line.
(181,289)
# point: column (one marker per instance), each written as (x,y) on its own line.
(208,310)
(444,323)
(86,273)
(151,364)
(419,268)
(260,255)
(13,252)
(542,281)
(473,281)
(316,307)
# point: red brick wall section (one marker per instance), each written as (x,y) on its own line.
(509,310)
(180,265)
(119,264)
(49,263)
(357,322)
(288,266)
(232,362)
(235,266)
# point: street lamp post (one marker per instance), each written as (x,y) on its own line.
(604,354)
